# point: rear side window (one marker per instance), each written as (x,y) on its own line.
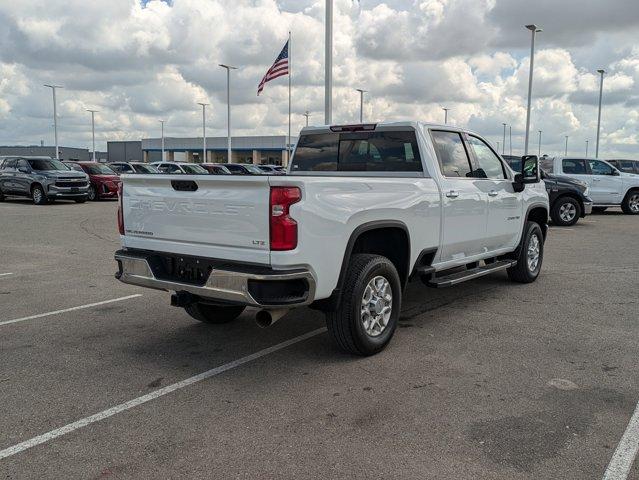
(451,154)
(389,151)
(574,166)
(627,166)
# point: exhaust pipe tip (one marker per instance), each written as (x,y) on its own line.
(266,318)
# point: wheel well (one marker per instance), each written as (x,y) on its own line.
(35,184)
(539,215)
(630,190)
(390,242)
(573,196)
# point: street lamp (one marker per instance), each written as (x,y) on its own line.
(539,148)
(93,112)
(203,130)
(601,72)
(534,29)
(503,145)
(328,65)
(510,134)
(307,114)
(445,115)
(228,106)
(162,123)
(361,104)
(586,148)
(55,119)
(566,151)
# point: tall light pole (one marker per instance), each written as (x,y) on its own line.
(510,133)
(55,119)
(445,115)
(328,65)
(361,104)
(539,148)
(228,107)
(93,112)
(534,29)
(566,150)
(601,72)
(307,114)
(162,123)
(503,145)
(203,130)
(586,148)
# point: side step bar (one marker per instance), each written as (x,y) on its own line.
(459,277)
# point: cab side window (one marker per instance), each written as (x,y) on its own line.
(451,154)
(22,164)
(574,166)
(489,164)
(600,168)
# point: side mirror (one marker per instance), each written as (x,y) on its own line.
(530,169)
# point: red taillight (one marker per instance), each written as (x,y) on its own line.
(120,210)
(283,227)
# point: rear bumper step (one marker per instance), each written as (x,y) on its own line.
(266,288)
(459,277)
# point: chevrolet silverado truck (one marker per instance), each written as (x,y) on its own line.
(363,210)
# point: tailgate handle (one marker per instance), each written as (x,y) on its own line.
(184,185)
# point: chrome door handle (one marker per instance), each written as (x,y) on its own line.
(493,193)
(452,194)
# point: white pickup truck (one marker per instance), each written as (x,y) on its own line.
(608,186)
(363,210)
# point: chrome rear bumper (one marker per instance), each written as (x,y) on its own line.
(224,286)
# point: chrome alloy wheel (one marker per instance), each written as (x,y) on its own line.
(567,212)
(633,202)
(37,195)
(532,256)
(377,306)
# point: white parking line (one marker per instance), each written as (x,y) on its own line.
(5,274)
(626,452)
(58,432)
(65,310)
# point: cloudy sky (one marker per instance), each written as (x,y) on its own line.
(141,61)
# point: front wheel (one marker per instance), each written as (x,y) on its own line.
(93,193)
(38,195)
(565,212)
(630,204)
(368,312)
(213,314)
(531,255)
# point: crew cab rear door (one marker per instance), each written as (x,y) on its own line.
(209,216)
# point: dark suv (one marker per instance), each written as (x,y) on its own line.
(43,179)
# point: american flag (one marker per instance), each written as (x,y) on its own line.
(278,69)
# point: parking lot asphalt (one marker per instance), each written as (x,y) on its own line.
(489,379)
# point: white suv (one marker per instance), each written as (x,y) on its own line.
(608,186)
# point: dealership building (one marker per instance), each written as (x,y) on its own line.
(267,149)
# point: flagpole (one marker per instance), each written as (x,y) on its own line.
(288,145)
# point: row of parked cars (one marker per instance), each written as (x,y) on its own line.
(45,179)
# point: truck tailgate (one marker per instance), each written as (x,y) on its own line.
(203,215)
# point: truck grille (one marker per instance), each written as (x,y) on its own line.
(71,183)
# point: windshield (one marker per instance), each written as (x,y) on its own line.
(139,168)
(99,170)
(194,169)
(253,169)
(44,164)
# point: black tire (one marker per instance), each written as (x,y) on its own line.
(1,196)
(565,212)
(599,209)
(38,196)
(214,314)
(345,324)
(80,200)
(522,271)
(93,193)
(630,204)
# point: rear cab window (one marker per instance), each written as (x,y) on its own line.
(369,151)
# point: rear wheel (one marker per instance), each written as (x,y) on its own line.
(531,255)
(367,315)
(93,193)
(213,314)
(38,195)
(630,204)
(565,211)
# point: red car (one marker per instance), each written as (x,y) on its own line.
(103,181)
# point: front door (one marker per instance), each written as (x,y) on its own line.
(465,205)
(606,187)
(22,180)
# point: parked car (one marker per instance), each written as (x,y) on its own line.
(43,179)
(243,169)
(343,232)
(103,181)
(180,168)
(627,166)
(569,200)
(132,167)
(216,169)
(271,169)
(608,186)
